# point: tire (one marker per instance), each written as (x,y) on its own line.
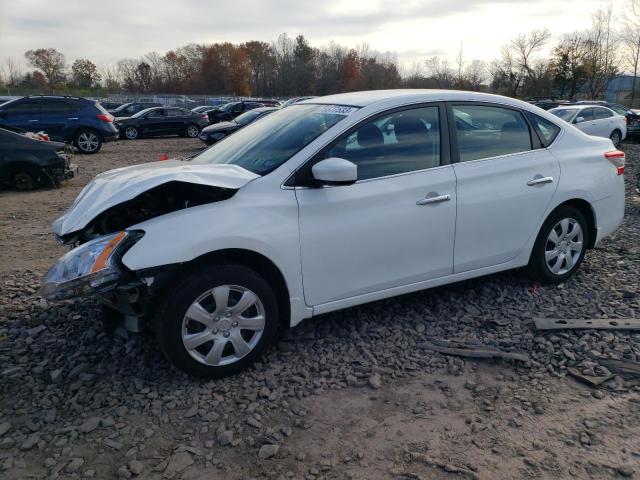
(25,180)
(223,347)
(87,141)
(131,133)
(559,246)
(616,137)
(192,131)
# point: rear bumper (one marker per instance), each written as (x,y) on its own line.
(609,213)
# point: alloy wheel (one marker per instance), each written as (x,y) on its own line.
(223,325)
(615,138)
(131,133)
(192,131)
(564,246)
(88,142)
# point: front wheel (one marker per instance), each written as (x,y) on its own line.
(87,141)
(616,137)
(220,320)
(131,133)
(560,247)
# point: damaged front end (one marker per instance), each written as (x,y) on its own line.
(102,225)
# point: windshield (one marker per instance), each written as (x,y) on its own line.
(265,145)
(565,114)
(142,112)
(247,117)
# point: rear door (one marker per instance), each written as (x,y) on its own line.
(505,182)
(57,115)
(605,123)
(175,121)
(24,114)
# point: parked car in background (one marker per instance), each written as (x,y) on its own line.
(215,133)
(110,105)
(594,120)
(128,109)
(229,111)
(204,108)
(75,120)
(28,162)
(318,207)
(633,118)
(158,121)
(293,100)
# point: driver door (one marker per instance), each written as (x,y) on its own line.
(395,225)
(154,122)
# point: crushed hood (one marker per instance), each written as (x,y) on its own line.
(117,186)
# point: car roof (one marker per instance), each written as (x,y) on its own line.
(264,109)
(401,96)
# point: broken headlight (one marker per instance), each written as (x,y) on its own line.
(88,268)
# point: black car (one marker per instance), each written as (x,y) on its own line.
(27,163)
(215,133)
(633,119)
(80,121)
(162,121)
(128,109)
(229,111)
(110,105)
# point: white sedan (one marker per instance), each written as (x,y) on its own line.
(334,202)
(594,120)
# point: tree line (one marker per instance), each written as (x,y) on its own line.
(580,64)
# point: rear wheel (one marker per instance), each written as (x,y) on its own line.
(87,141)
(25,180)
(560,247)
(219,321)
(616,137)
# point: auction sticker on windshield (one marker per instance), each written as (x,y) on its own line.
(337,109)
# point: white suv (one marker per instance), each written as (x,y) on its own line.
(330,203)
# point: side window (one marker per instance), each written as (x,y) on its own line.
(238,108)
(487,131)
(26,106)
(601,113)
(587,114)
(547,131)
(156,114)
(58,106)
(401,142)
(175,112)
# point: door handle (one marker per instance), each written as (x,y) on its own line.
(434,199)
(72,118)
(33,120)
(539,181)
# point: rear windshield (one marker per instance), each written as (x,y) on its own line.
(265,145)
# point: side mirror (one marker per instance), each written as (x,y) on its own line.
(579,120)
(335,171)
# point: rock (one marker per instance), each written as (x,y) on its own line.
(626,470)
(56,375)
(225,438)
(136,467)
(74,465)
(192,412)
(123,472)
(268,451)
(30,442)
(89,425)
(375,381)
(4,428)
(178,462)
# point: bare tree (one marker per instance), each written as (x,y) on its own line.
(14,72)
(475,74)
(440,71)
(460,68)
(631,40)
(602,58)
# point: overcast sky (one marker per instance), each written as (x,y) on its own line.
(106,31)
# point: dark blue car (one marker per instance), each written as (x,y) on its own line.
(74,120)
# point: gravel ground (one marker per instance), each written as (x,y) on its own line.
(354,394)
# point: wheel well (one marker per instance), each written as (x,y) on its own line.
(77,131)
(260,264)
(585,208)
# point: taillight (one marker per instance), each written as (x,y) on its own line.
(616,157)
(205,117)
(105,117)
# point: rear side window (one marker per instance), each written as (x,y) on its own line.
(175,112)
(602,113)
(58,106)
(25,106)
(488,131)
(402,142)
(587,114)
(547,131)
